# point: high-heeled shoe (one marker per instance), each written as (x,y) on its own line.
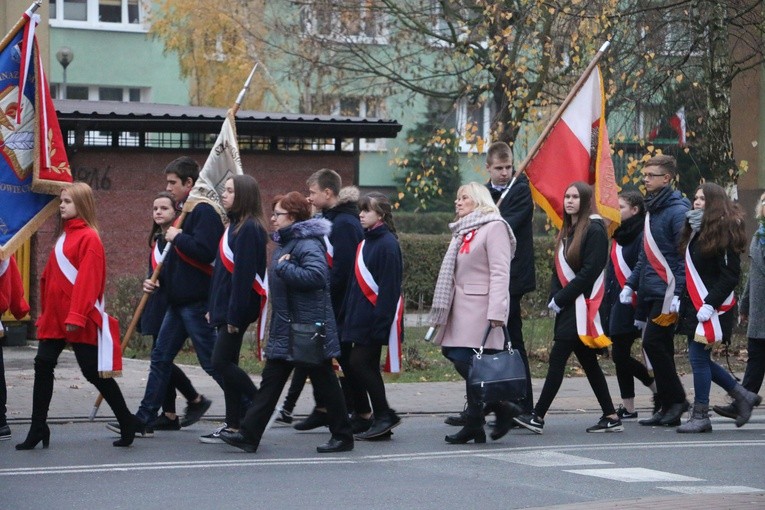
(476,434)
(35,435)
(128,428)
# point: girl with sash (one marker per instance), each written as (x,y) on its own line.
(581,254)
(164,213)
(373,311)
(712,243)
(72,312)
(237,292)
(471,291)
(623,325)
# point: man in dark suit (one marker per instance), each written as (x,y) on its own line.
(513,197)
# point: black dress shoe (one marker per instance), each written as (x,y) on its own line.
(466,434)
(238,440)
(653,420)
(336,445)
(674,413)
(359,424)
(381,426)
(314,420)
(505,412)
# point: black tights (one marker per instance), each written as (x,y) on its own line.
(364,361)
(628,368)
(236,382)
(46,360)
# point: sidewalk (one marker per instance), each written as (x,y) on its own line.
(73,396)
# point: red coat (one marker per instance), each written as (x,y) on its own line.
(60,302)
(12,292)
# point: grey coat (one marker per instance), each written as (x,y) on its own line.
(753,298)
(299,287)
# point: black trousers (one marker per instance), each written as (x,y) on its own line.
(3,390)
(46,360)
(515,328)
(178,381)
(627,367)
(659,345)
(236,382)
(364,361)
(755,365)
(274,378)
(588,358)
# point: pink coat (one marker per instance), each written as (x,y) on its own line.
(481,289)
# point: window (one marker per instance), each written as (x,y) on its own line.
(120,15)
(95,93)
(360,22)
(473,122)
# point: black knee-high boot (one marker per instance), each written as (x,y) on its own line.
(42,393)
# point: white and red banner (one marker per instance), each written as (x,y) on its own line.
(710,331)
(674,126)
(587,309)
(259,285)
(370,289)
(577,149)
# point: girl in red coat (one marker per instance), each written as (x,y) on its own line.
(11,299)
(71,286)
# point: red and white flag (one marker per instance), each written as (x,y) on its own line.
(577,149)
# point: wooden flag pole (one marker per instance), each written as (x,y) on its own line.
(20,24)
(556,116)
(155,275)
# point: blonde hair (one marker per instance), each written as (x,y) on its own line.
(480,196)
(84,203)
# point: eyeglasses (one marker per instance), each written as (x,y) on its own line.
(650,175)
(276,214)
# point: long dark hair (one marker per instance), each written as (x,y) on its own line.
(155,228)
(576,231)
(722,224)
(247,201)
(379,203)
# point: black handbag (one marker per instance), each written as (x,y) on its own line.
(497,377)
(306,345)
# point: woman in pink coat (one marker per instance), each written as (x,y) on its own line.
(471,293)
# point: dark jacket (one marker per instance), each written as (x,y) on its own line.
(517,209)
(185,283)
(619,319)
(720,274)
(232,298)
(594,257)
(299,287)
(345,237)
(156,306)
(667,209)
(368,324)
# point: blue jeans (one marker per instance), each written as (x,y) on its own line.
(180,322)
(705,371)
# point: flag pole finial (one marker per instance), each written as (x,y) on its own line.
(246,86)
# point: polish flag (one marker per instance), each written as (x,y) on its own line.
(577,149)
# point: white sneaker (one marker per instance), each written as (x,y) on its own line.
(213,437)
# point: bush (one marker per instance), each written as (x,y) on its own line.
(423,223)
(124,294)
(422,260)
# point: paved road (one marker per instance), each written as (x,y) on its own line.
(640,468)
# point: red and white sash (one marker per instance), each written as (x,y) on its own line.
(661,266)
(588,325)
(622,270)
(259,285)
(709,331)
(371,290)
(157,255)
(109,350)
(330,253)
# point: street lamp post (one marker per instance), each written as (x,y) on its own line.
(64,55)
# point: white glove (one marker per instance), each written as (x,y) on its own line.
(640,325)
(625,296)
(705,313)
(674,307)
(552,305)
